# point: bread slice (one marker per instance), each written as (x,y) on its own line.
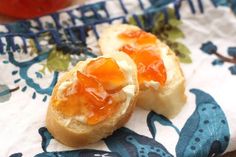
(166,100)
(70,131)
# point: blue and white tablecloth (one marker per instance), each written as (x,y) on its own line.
(35,53)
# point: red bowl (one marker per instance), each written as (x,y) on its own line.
(31,8)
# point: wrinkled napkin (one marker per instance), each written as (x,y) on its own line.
(35,53)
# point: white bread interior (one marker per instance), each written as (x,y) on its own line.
(72,132)
(166,100)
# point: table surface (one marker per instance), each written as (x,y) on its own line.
(5,19)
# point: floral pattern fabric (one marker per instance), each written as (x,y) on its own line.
(35,53)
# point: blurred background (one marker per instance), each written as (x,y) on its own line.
(14,10)
(17,12)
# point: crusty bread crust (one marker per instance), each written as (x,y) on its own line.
(168,99)
(72,132)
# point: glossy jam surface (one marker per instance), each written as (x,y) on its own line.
(139,37)
(31,8)
(108,73)
(92,100)
(150,65)
(142,49)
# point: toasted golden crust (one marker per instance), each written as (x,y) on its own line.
(73,133)
(168,99)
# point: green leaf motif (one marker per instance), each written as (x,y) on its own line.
(174,33)
(57,61)
(133,22)
(174,22)
(32,45)
(181,47)
(49,25)
(183,53)
(168,33)
(185,59)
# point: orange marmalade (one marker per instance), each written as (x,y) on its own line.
(96,94)
(142,49)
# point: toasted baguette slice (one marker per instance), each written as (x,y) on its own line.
(166,100)
(71,131)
